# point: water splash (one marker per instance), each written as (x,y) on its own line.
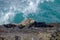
(6,18)
(9,7)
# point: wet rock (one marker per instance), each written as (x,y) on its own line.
(26,23)
(49,26)
(21,26)
(39,24)
(9,25)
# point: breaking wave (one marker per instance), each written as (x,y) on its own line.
(40,10)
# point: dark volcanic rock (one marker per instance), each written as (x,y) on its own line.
(39,24)
(28,23)
(9,25)
(30,30)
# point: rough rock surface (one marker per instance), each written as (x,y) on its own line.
(30,30)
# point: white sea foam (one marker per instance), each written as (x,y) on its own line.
(27,6)
(24,6)
(7,18)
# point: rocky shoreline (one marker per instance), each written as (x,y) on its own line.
(36,30)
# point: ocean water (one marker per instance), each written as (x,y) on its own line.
(15,11)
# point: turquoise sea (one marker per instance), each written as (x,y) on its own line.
(15,11)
